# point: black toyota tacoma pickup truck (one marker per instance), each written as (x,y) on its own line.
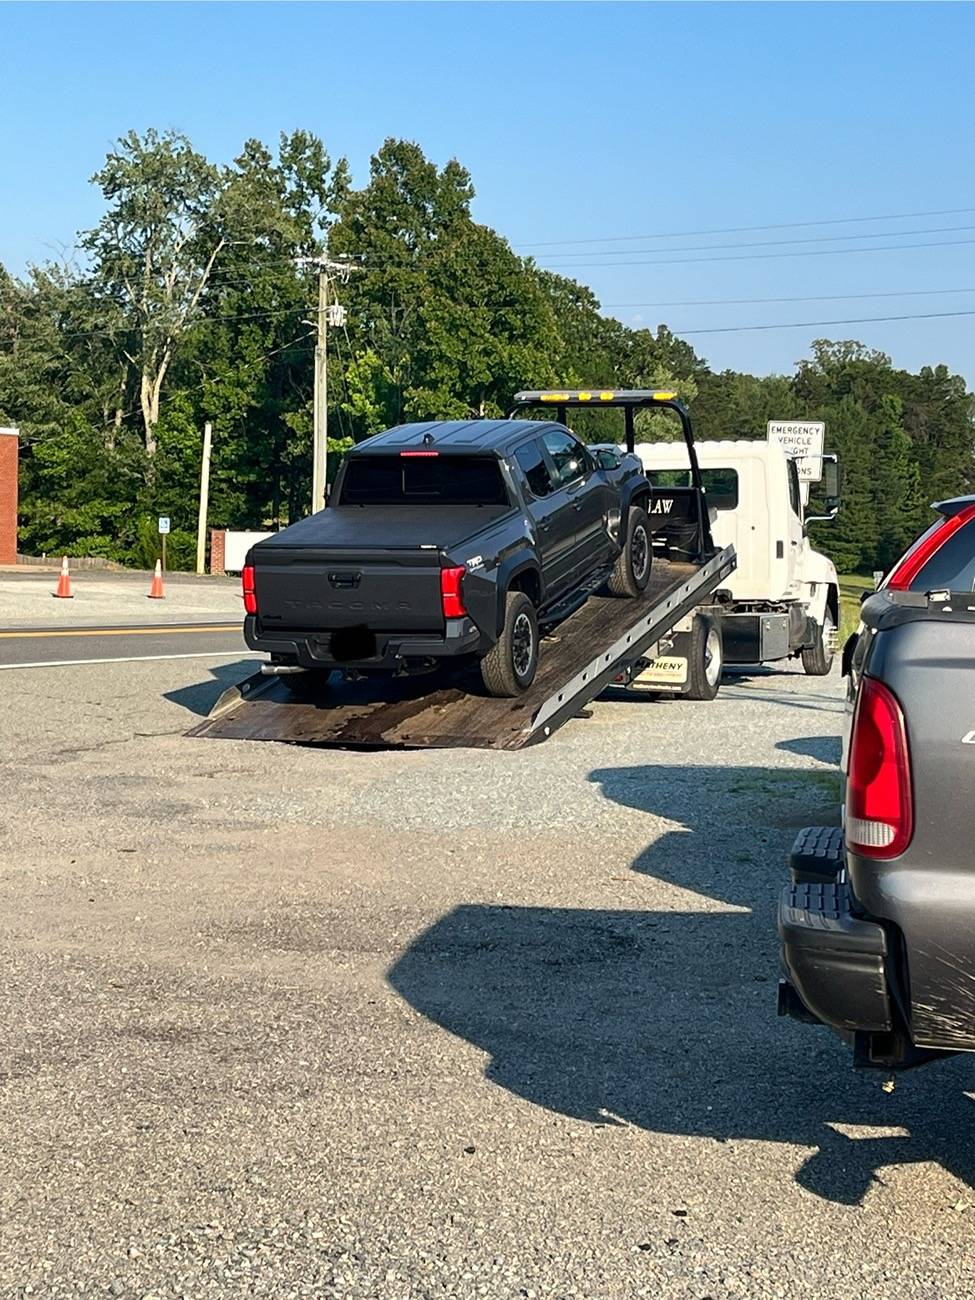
(878,926)
(444,540)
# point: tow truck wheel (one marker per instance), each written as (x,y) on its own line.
(510,665)
(631,572)
(705,659)
(817,659)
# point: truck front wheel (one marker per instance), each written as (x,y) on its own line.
(817,659)
(631,573)
(510,665)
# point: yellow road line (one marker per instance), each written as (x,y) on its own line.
(164,629)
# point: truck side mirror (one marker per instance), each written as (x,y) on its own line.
(831,484)
(606,458)
(831,494)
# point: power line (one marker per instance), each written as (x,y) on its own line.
(770,243)
(191,325)
(743,230)
(819,297)
(752,257)
(816,324)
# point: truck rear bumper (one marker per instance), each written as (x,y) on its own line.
(833,960)
(362,649)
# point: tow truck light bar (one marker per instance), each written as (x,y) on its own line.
(581,396)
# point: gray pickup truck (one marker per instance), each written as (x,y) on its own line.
(878,925)
(449,540)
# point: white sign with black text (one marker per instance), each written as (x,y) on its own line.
(802,439)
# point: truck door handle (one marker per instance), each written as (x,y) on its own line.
(577,505)
(545,525)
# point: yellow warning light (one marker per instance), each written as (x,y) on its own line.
(583,397)
(607,396)
(554,397)
(664,397)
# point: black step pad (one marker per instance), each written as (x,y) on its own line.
(817,855)
(818,916)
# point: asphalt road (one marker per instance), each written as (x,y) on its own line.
(290,1022)
(59,647)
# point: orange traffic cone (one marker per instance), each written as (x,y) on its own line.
(64,582)
(156,591)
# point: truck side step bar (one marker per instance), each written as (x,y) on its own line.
(447,709)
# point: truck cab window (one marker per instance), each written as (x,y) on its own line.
(533,465)
(571,460)
(434,480)
(721,485)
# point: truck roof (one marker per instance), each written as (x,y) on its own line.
(453,435)
(714,450)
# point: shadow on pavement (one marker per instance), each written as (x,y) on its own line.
(202,696)
(666,1020)
(825,749)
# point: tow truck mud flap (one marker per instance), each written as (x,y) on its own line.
(669,672)
(448,709)
(833,959)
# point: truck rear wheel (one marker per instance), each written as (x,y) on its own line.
(817,659)
(705,659)
(510,665)
(631,572)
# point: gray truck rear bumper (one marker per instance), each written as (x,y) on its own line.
(834,962)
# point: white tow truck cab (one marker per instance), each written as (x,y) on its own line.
(784,596)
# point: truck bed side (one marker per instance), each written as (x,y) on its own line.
(924,652)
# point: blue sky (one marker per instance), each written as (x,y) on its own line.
(577,122)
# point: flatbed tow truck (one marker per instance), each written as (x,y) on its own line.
(632,644)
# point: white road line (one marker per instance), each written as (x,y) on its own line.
(133,659)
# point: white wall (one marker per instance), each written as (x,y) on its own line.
(236,546)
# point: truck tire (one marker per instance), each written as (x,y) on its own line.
(631,572)
(705,659)
(817,659)
(510,665)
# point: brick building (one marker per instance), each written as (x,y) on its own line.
(9,451)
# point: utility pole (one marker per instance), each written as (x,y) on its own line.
(319,455)
(328,314)
(201,527)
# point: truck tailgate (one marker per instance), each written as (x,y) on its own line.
(305,588)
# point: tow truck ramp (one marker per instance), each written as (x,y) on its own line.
(579,659)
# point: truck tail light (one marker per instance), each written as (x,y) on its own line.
(879,804)
(247,584)
(451,595)
(927,545)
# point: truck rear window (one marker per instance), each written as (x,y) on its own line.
(952,566)
(424,480)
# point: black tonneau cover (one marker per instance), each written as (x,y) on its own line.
(367,528)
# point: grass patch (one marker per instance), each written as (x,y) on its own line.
(852,585)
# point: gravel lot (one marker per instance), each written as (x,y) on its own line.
(285,1022)
(100,597)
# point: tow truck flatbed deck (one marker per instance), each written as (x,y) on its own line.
(583,655)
